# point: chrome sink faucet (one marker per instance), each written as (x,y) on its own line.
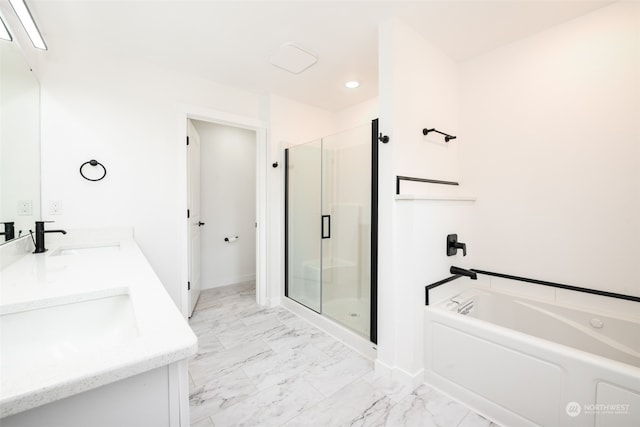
(40,231)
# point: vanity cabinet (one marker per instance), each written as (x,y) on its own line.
(144,400)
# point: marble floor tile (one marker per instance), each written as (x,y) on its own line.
(284,366)
(298,334)
(225,304)
(424,407)
(284,315)
(396,390)
(210,319)
(257,316)
(331,374)
(259,366)
(357,404)
(243,334)
(207,344)
(205,422)
(214,365)
(219,394)
(273,406)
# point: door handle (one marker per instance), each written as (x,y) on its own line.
(200,223)
(326,220)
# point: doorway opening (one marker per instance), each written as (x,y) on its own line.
(226,204)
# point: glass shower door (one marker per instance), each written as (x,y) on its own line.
(346,238)
(328,214)
(303,210)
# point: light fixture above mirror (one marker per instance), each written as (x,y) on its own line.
(4,31)
(26,19)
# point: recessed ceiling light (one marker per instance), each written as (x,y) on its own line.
(21,9)
(4,31)
(352,84)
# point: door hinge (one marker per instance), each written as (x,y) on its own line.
(187,140)
(188,286)
(188,214)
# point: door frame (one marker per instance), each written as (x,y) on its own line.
(227,119)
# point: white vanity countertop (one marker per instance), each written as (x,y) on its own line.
(156,335)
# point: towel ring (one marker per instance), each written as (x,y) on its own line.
(93,163)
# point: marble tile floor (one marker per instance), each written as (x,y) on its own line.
(259,366)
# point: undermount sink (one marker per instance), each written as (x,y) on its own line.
(87,250)
(43,338)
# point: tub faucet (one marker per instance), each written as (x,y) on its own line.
(40,236)
(461,271)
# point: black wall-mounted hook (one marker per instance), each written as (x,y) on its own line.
(275,165)
(447,137)
(383,138)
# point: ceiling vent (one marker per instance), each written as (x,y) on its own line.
(293,58)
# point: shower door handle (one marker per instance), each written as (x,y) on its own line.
(326,220)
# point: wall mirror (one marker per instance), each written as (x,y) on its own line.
(19,144)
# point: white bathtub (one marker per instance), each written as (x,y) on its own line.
(523,362)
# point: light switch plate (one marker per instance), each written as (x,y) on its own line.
(25,207)
(55,207)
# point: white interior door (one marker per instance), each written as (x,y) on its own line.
(194,219)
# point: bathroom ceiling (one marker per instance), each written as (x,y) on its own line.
(231,42)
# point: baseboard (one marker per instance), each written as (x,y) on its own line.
(232,281)
(398,374)
(274,302)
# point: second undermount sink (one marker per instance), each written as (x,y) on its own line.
(87,250)
(37,341)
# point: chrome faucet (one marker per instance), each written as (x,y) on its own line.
(39,242)
(462,272)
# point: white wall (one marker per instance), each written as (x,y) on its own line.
(228,203)
(553,152)
(418,88)
(130,119)
(356,115)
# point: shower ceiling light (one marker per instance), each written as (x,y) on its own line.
(352,84)
(21,9)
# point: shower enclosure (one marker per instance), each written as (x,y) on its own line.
(331,227)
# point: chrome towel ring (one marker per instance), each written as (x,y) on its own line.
(93,163)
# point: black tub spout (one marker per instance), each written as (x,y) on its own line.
(462,272)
